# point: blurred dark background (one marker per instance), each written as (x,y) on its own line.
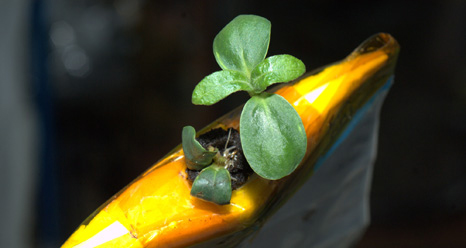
(112,80)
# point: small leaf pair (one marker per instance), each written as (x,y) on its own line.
(213,182)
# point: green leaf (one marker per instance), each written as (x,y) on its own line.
(213,184)
(276,69)
(197,157)
(272,136)
(219,85)
(242,43)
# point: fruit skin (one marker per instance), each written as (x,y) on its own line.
(157,210)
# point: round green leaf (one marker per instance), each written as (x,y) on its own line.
(213,184)
(197,157)
(272,136)
(276,69)
(219,85)
(242,43)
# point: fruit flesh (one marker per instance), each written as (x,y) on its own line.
(157,210)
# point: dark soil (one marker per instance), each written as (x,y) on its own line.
(237,165)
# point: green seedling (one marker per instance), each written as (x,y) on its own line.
(271,132)
(214,182)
